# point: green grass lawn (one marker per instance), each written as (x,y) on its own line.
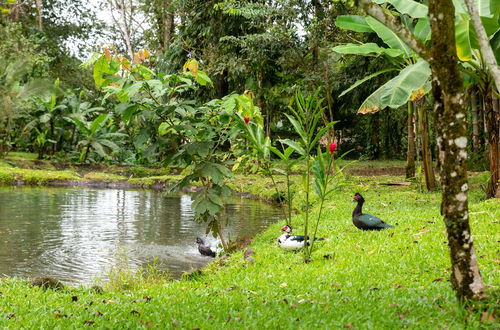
(365,280)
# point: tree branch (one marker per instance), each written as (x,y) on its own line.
(484,43)
(399,29)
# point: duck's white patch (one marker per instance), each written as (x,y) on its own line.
(461,197)
(461,142)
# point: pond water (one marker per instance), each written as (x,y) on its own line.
(77,234)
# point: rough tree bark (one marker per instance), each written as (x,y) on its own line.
(423,125)
(447,89)
(475,122)
(39,9)
(448,92)
(164,16)
(410,152)
(492,119)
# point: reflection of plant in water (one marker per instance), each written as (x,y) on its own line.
(123,276)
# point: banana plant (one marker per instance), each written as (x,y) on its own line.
(414,73)
(96,136)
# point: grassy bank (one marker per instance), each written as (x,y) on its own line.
(391,279)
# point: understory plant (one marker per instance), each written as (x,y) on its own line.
(195,136)
(305,119)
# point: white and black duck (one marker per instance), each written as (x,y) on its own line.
(291,242)
(366,221)
(206,249)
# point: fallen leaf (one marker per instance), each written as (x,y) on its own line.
(108,301)
(487,317)
(399,286)
(372,251)
(496,260)
(293,306)
(135,312)
(174,321)
(301,301)
(89,322)
(335,284)
(348,326)
(149,324)
(440,279)
(283,285)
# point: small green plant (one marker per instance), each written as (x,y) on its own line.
(122,276)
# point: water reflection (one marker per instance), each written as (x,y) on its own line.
(76,235)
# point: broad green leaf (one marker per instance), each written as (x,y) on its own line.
(409,80)
(110,144)
(353,23)
(491,25)
(295,146)
(98,122)
(495,45)
(462,40)
(409,7)
(372,103)
(460,7)
(361,81)
(100,67)
(278,153)
(203,79)
(389,37)
(98,148)
(298,128)
(495,8)
(483,6)
(81,125)
(366,49)
(422,29)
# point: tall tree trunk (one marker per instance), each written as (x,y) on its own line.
(410,152)
(447,89)
(475,122)
(165,20)
(319,12)
(423,123)
(451,128)
(492,117)
(39,9)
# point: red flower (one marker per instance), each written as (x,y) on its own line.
(246,119)
(332,147)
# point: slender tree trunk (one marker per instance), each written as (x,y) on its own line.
(423,122)
(475,122)
(492,118)
(447,89)
(169,30)
(39,9)
(410,152)
(319,13)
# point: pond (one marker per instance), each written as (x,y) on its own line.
(78,234)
